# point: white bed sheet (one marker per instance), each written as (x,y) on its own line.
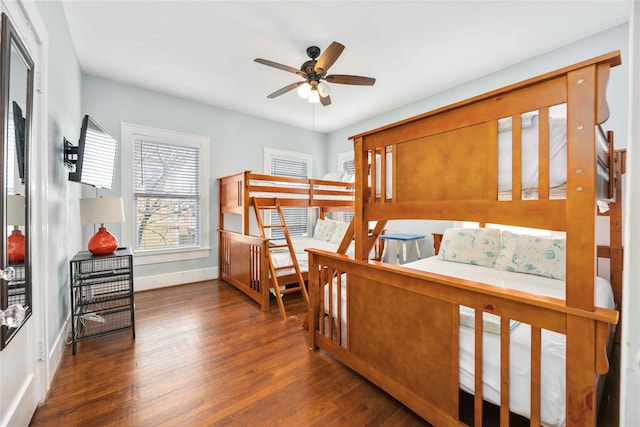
(553,378)
(552,400)
(281,257)
(290,195)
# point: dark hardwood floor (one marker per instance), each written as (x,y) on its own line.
(204,355)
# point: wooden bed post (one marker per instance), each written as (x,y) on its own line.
(581,244)
(246,202)
(360,221)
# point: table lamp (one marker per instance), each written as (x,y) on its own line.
(15,216)
(102,210)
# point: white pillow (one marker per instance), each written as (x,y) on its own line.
(538,255)
(338,233)
(324,229)
(477,246)
(333,176)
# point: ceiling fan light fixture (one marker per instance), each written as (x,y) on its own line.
(314,97)
(304,90)
(324,89)
(313,71)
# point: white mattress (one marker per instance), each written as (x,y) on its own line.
(283,193)
(281,257)
(553,344)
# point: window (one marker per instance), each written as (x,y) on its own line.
(347,163)
(165,192)
(288,163)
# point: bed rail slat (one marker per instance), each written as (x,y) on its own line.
(543,153)
(477,373)
(383,173)
(504,371)
(516,157)
(536,351)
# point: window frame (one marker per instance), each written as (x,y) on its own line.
(131,132)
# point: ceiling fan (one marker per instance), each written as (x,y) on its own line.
(314,72)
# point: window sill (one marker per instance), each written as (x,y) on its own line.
(164,256)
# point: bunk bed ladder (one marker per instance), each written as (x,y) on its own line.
(270,205)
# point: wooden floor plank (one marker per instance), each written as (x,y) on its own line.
(204,354)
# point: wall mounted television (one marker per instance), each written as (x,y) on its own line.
(94,157)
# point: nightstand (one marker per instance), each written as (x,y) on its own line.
(401,240)
(101,295)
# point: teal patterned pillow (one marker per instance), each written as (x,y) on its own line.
(539,255)
(324,229)
(477,246)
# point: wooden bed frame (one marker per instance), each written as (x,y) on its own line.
(243,253)
(402,325)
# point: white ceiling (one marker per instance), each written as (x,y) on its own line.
(204,50)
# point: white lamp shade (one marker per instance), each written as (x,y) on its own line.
(101,210)
(304,89)
(314,97)
(15,209)
(324,89)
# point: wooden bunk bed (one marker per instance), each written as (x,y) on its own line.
(244,255)
(402,328)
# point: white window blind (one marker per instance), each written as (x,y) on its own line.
(349,166)
(166,195)
(296,218)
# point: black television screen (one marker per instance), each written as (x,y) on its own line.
(18,126)
(96,156)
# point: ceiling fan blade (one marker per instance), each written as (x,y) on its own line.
(285,89)
(326,100)
(345,79)
(328,57)
(279,66)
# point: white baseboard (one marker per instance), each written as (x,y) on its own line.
(57,351)
(172,279)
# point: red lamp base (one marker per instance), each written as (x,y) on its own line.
(15,246)
(103,242)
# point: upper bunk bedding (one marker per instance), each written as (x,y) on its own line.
(529,140)
(236,191)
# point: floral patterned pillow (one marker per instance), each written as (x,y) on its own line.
(477,246)
(324,229)
(338,233)
(538,255)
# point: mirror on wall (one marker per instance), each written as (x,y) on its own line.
(16,95)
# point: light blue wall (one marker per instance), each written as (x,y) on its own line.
(617,95)
(607,41)
(63,86)
(237,141)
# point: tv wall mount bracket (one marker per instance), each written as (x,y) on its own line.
(70,154)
